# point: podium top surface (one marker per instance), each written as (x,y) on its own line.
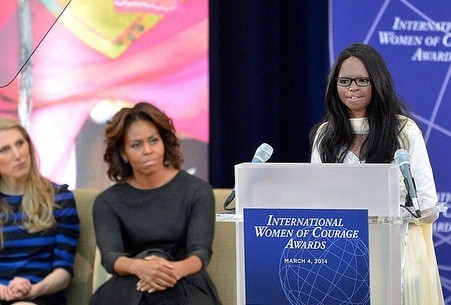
(306,185)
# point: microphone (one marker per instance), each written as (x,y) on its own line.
(262,154)
(402,158)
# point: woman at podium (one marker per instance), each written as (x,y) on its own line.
(366,122)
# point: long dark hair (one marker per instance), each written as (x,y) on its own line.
(115,131)
(335,136)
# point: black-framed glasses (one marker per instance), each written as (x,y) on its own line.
(359,81)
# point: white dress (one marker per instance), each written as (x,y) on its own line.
(421,281)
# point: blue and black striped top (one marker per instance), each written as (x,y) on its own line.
(34,256)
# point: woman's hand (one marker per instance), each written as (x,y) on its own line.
(154,273)
(178,270)
(20,284)
(18,288)
(5,294)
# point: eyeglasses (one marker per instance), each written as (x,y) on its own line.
(359,81)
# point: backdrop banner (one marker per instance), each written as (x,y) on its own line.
(414,37)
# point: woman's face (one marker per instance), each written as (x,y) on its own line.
(144,148)
(15,160)
(355,98)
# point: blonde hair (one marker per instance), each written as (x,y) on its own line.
(38,198)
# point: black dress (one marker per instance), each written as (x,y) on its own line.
(173,221)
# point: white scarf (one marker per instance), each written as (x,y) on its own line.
(359,125)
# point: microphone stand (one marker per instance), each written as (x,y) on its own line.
(409,204)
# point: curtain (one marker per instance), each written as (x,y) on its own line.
(268,68)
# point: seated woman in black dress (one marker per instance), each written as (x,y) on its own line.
(155,225)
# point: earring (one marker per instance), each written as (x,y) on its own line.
(125,159)
(166,163)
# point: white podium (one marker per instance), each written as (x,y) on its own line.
(374,187)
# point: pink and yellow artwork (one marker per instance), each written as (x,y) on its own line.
(102,55)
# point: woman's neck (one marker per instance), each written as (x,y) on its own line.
(153,181)
(360,130)
(12,186)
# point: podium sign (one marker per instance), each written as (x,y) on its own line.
(306,256)
(305,186)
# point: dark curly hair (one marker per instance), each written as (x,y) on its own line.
(118,170)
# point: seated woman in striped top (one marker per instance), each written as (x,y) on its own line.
(39,225)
